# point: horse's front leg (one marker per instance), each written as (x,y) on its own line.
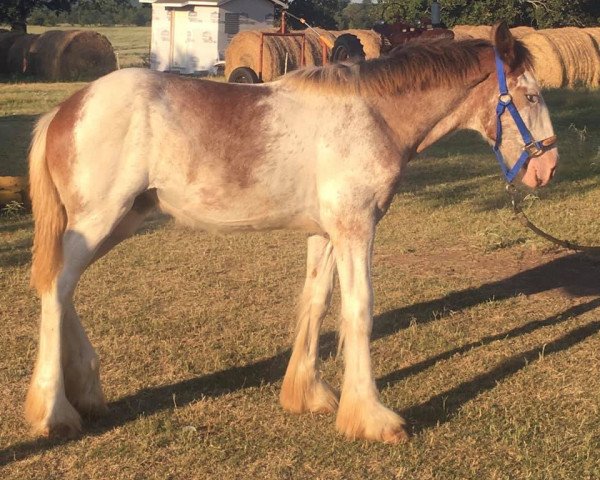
(360,413)
(302,389)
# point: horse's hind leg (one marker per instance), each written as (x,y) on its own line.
(302,389)
(80,362)
(47,407)
(67,369)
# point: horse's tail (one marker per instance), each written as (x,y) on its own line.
(48,211)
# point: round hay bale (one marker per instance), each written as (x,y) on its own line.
(18,54)
(314,50)
(578,52)
(371,41)
(461,36)
(6,41)
(462,32)
(594,34)
(547,60)
(519,32)
(244,51)
(14,189)
(473,31)
(72,55)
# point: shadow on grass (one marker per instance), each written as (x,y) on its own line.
(576,274)
(13,226)
(15,255)
(399,375)
(15,135)
(444,406)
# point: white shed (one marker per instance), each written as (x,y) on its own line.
(190,36)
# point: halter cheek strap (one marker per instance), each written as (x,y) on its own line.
(532,148)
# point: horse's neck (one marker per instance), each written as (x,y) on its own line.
(419,119)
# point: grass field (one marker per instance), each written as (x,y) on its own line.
(486,339)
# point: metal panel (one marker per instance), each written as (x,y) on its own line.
(160,48)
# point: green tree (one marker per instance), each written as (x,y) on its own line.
(19,13)
(557,13)
(16,12)
(358,15)
(318,13)
(537,13)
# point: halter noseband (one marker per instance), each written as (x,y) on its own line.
(532,147)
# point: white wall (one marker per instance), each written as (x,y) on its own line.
(192,39)
(160,43)
(254,15)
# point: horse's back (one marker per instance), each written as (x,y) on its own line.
(206,148)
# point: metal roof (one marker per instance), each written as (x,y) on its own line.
(209,3)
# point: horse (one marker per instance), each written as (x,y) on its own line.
(321,150)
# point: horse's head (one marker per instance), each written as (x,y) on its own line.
(520,128)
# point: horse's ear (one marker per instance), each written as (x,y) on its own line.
(504,42)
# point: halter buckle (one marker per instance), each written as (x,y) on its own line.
(533,149)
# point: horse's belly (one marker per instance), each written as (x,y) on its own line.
(238,213)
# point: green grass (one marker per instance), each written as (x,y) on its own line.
(485,338)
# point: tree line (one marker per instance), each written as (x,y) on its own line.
(343,14)
(20,13)
(330,14)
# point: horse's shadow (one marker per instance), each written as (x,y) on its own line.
(575,274)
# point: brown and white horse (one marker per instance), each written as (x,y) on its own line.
(321,150)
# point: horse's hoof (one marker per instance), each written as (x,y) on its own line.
(92,406)
(57,420)
(396,435)
(301,395)
(370,420)
(62,431)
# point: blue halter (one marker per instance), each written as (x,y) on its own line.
(532,147)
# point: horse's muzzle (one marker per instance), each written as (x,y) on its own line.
(541,168)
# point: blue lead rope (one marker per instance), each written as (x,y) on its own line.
(505,102)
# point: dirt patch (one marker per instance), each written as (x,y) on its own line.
(525,272)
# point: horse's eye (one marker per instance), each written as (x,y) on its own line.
(532,98)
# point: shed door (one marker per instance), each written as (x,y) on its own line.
(195,37)
(180,60)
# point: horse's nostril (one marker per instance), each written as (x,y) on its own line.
(552,171)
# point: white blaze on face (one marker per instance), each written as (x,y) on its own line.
(535,113)
(536,116)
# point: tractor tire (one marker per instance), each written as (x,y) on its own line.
(347,48)
(243,75)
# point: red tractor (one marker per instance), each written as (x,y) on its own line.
(348,46)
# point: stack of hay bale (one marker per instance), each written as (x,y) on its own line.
(17,58)
(57,55)
(6,40)
(281,54)
(484,31)
(14,189)
(563,57)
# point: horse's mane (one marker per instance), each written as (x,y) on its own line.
(419,65)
